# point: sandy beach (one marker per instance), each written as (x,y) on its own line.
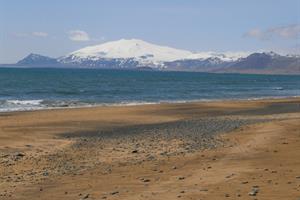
(207,150)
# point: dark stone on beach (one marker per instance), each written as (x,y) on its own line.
(254,191)
(145,180)
(85,196)
(46,173)
(203,190)
(114,192)
(19,154)
(134,151)
(229,176)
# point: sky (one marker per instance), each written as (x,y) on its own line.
(56,27)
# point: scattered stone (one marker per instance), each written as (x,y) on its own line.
(145,180)
(19,154)
(134,151)
(86,196)
(46,173)
(203,190)
(174,167)
(254,191)
(114,192)
(245,182)
(227,195)
(181,178)
(229,176)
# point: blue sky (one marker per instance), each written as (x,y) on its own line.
(57,27)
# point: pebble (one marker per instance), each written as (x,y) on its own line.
(229,176)
(134,151)
(19,154)
(145,180)
(46,173)
(86,196)
(114,192)
(254,191)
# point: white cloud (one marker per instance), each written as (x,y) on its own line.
(291,31)
(28,35)
(40,34)
(255,33)
(288,32)
(78,35)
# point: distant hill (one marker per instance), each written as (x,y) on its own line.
(138,54)
(36,59)
(267,63)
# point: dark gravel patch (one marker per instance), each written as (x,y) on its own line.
(197,133)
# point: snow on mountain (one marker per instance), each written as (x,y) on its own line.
(141,51)
(226,56)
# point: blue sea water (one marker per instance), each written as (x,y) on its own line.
(31,89)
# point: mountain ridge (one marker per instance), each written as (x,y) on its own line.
(138,54)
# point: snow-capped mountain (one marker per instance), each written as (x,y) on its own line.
(138,54)
(139,51)
(226,56)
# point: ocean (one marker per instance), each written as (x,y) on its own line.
(33,89)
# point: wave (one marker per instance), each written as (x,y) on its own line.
(24,102)
(38,104)
(278,88)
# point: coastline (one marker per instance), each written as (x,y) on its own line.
(141,103)
(158,151)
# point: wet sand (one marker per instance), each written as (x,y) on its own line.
(208,150)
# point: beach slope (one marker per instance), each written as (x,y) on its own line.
(208,150)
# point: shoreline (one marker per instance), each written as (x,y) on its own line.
(134,103)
